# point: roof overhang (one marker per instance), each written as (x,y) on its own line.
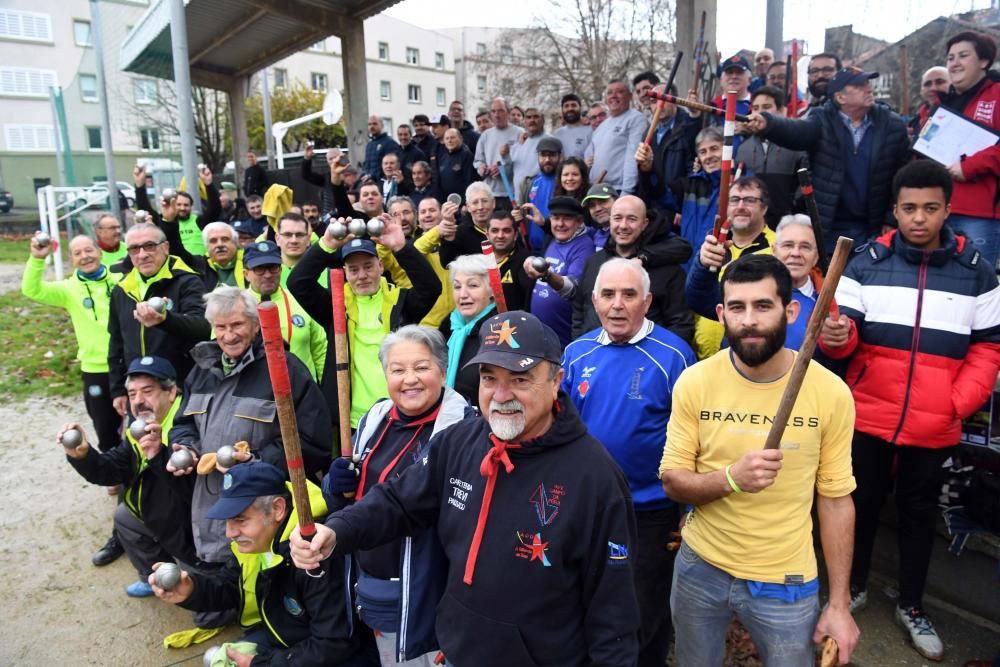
(231,39)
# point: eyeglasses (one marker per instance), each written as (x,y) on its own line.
(293,235)
(266,268)
(149,247)
(821,70)
(744,200)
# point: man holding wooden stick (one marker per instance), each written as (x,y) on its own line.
(748,543)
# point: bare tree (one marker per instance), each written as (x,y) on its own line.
(580,45)
(211,120)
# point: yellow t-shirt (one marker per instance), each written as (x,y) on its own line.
(718,416)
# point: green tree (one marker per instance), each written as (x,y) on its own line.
(289,104)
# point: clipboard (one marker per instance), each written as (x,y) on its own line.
(948,136)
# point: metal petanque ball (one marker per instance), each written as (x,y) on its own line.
(375,227)
(540,264)
(141,217)
(357,227)
(226,456)
(455,198)
(137,428)
(209,657)
(71,438)
(338,230)
(181,459)
(43,239)
(158,303)
(169,193)
(167,576)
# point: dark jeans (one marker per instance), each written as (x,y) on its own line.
(918,480)
(97,399)
(654,571)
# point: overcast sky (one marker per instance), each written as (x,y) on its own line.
(741,22)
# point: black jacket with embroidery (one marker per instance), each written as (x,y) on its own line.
(550,581)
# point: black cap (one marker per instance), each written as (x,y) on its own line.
(849,76)
(261,253)
(441,120)
(157,367)
(244,483)
(549,145)
(517,341)
(249,227)
(564,205)
(600,191)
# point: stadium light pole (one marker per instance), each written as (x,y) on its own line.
(185,110)
(97,39)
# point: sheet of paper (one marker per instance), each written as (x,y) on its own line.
(947,136)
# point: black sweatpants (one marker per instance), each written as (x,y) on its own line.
(654,571)
(918,480)
(107,421)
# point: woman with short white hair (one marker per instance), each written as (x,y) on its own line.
(473,296)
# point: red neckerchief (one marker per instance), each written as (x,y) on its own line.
(489,468)
(393,416)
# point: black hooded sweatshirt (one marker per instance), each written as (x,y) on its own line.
(539,537)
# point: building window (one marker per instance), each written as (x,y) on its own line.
(506,54)
(441,96)
(481,83)
(29,26)
(507,86)
(387,125)
(280,78)
(413,94)
(149,138)
(383,51)
(439,60)
(412,56)
(318,81)
(81,32)
(480,49)
(384,91)
(88,87)
(318,46)
(94,138)
(27,81)
(145,91)
(29,138)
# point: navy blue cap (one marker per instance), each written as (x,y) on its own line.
(261,253)
(157,367)
(250,227)
(735,61)
(517,341)
(358,245)
(243,484)
(849,76)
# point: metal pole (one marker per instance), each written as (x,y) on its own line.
(102,92)
(773,37)
(268,139)
(185,110)
(60,145)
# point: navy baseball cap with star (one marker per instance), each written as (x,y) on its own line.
(261,253)
(156,367)
(517,341)
(243,484)
(738,60)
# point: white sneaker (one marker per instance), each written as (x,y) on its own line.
(925,639)
(858,600)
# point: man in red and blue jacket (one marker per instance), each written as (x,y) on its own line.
(920,322)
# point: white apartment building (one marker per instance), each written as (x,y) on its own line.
(46,43)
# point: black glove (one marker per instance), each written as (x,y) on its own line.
(342,478)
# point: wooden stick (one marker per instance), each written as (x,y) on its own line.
(342,359)
(277,367)
(801,365)
(697,106)
(600,176)
(728,134)
(658,111)
(494,274)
